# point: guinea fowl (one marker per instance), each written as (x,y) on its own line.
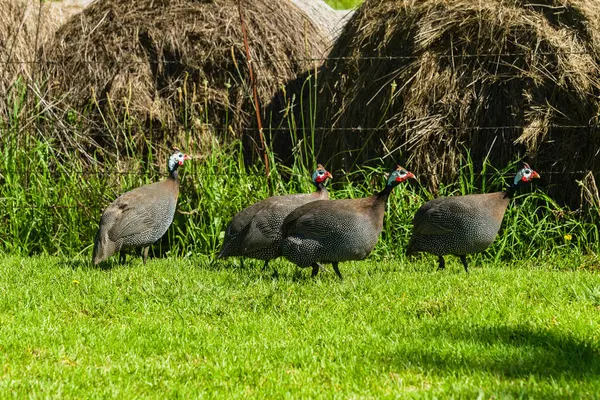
(337,230)
(255,232)
(462,225)
(139,217)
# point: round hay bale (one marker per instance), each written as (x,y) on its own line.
(67,8)
(321,14)
(431,81)
(169,70)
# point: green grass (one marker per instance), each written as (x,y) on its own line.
(54,187)
(51,203)
(184,328)
(344,4)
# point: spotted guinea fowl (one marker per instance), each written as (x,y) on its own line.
(255,232)
(462,225)
(139,217)
(337,230)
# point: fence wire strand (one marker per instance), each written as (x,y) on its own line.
(154,172)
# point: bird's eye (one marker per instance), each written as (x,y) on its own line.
(527,172)
(321,172)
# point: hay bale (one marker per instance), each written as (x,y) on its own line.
(435,79)
(168,66)
(24,25)
(64,9)
(324,16)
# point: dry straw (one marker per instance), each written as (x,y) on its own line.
(175,65)
(24,26)
(427,71)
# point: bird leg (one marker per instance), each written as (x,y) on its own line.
(442,263)
(464,261)
(264,268)
(275,273)
(122,257)
(145,254)
(315,269)
(336,269)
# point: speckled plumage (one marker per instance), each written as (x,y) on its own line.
(343,231)
(336,230)
(137,218)
(459,225)
(255,232)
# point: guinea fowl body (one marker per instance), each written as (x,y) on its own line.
(458,225)
(337,230)
(138,218)
(333,231)
(462,225)
(255,232)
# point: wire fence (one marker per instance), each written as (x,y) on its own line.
(319,59)
(153,172)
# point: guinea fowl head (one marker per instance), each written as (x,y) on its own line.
(525,175)
(320,176)
(398,176)
(176,160)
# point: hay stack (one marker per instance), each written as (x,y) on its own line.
(171,65)
(321,14)
(64,9)
(24,25)
(500,78)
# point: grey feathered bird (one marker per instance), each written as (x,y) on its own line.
(255,232)
(337,230)
(139,217)
(462,225)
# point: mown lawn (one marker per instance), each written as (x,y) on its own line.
(184,328)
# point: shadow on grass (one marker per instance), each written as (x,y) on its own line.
(276,269)
(78,264)
(509,351)
(106,265)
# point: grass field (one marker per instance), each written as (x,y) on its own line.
(184,327)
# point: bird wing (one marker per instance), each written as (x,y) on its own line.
(242,219)
(439,216)
(316,219)
(261,232)
(265,226)
(131,213)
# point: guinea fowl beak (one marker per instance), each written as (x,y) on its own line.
(186,157)
(409,175)
(534,174)
(328,175)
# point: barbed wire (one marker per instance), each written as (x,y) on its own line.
(157,172)
(118,136)
(318,59)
